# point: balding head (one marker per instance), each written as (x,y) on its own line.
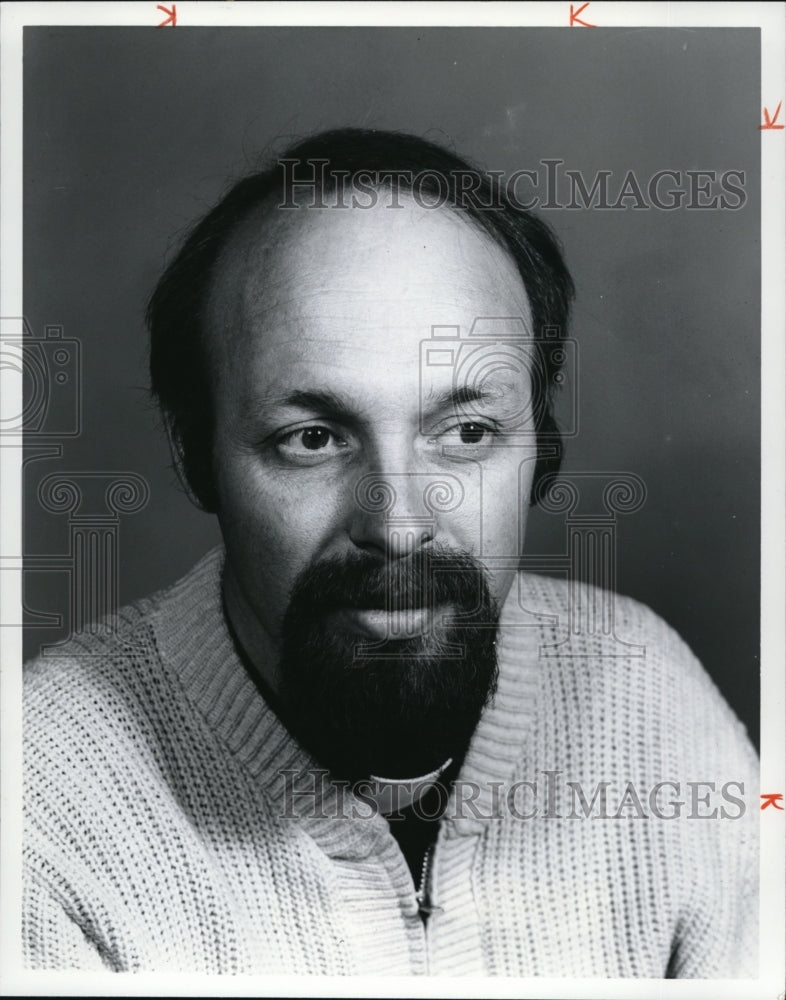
(181,377)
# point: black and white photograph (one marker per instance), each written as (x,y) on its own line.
(392,445)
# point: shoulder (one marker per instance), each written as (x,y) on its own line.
(106,647)
(636,733)
(625,670)
(108,726)
(97,696)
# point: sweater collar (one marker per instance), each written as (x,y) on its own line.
(196,645)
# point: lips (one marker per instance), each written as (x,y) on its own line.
(378,623)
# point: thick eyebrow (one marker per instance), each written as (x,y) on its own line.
(332,405)
(324,402)
(459,397)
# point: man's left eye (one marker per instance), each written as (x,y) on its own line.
(469,432)
(472,433)
(314,438)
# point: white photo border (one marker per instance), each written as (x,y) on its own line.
(769,17)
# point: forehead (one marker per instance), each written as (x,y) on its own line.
(355,285)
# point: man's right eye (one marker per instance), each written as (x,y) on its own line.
(310,445)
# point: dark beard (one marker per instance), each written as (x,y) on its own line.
(397,707)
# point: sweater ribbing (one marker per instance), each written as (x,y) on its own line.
(172,823)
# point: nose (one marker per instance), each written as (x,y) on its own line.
(397,514)
(390,517)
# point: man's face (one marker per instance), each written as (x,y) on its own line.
(338,434)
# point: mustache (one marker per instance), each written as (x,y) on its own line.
(431,577)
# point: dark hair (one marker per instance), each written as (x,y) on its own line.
(176,310)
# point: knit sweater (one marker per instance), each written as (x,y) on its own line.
(172,822)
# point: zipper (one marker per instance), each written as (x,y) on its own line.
(423,895)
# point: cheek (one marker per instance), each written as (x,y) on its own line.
(276,521)
(492,515)
(504,503)
(503,516)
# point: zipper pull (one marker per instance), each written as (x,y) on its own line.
(425,907)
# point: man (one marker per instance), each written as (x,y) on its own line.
(357,738)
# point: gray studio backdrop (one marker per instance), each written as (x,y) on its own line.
(130,133)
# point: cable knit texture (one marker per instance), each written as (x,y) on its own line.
(172,823)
